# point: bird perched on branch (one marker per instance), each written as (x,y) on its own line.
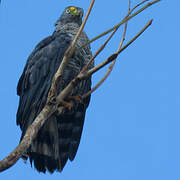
(58,140)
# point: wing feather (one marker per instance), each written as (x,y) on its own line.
(37,76)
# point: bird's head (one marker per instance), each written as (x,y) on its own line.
(71,14)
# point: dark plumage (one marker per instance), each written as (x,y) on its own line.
(59,138)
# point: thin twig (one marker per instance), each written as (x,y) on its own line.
(113,63)
(122,22)
(138,5)
(98,51)
(113,56)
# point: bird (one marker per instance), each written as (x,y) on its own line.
(58,140)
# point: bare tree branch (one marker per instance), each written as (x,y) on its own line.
(123,21)
(113,56)
(113,63)
(99,51)
(138,5)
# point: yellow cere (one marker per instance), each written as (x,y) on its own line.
(73,9)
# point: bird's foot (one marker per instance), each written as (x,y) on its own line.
(76,99)
(67,105)
(70,102)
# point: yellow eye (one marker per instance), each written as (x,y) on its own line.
(73,9)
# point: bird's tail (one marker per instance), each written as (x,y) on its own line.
(44,151)
(56,142)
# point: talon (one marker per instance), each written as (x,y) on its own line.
(77,98)
(68,105)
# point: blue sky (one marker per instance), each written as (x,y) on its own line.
(132,124)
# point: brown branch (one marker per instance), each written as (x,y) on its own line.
(113,63)
(98,51)
(138,5)
(47,111)
(122,22)
(113,56)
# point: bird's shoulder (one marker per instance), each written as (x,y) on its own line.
(40,61)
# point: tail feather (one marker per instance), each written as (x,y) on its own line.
(56,142)
(43,163)
(76,134)
(44,151)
